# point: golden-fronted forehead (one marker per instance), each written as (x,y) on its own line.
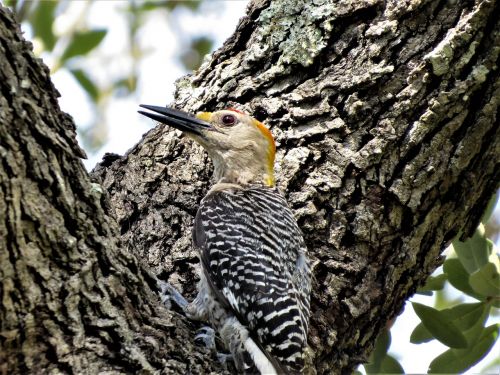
(205,116)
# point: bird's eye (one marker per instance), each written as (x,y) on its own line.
(228,120)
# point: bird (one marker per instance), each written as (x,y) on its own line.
(255,279)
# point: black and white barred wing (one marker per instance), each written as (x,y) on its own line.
(255,255)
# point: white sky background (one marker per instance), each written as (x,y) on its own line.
(158,71)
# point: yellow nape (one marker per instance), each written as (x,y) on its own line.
(205,116)
(269,180)
(271,152)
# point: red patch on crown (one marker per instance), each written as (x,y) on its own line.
(236,110)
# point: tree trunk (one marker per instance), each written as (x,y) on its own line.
(74,298)
(386,119)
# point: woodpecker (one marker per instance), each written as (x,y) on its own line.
(255,282)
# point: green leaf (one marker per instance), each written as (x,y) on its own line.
(490,208)
(381,346)
(125,85)
(86,83)
(193,5)
(420,334)
(82,43)
(42,20)
(458,276)
(486,280)
(391,366)
(463,316)
(492,366)
(440,326)
(193,57)
(150,5)
(202,45)
(458,361)
(474,252)
(466,315)
(433,283)
(475,331)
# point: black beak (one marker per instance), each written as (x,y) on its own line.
(177,119)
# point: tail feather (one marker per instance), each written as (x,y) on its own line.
(260,360)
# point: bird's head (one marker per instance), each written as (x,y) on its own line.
(241,147)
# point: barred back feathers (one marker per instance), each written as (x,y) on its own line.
(255,256)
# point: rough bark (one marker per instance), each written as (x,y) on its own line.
(73,298)
(386,118)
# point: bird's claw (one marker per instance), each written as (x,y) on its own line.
(169,294)
(224,358)
(206,337)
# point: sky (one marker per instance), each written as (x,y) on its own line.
(159,69)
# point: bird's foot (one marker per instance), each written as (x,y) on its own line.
(224,358)
(205,336)
(169,294)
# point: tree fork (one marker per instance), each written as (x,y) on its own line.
(386,118)
(73,298)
